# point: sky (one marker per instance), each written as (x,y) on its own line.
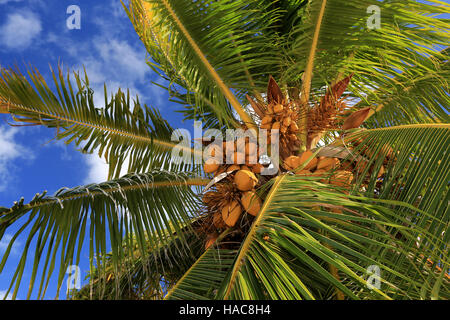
(35,32)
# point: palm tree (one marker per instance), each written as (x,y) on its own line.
(358,208)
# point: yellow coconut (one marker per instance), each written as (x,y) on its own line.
(292,162)
(233,167)
(211,165)
(342,178)
(266,120)
(304,157)
(231,213)
(245,180)
(327,163)
(251,202)
(278,108)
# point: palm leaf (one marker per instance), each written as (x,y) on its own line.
(151,207)
(179,34)
(144,277)
(204,278)
(296,230)
(335,37)
(118,131)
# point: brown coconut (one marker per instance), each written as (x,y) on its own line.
(276,126)
(342,178)
(304,157)
(231,213)
(319,173)
(238,158)
(266,120)
(211,165)
(251,202)
(257,168)
(218,221)
(245,180)
(278,108)
(303,173)
(292,162)
(327,163)
(233,167)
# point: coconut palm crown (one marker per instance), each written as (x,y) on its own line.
(356,209)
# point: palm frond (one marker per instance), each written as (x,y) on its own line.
(144,277)
(336,38)
(209,48)
(308,226)
(423,99)
(203,279)
(150,207)
(118,131)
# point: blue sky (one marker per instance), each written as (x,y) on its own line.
(34,32)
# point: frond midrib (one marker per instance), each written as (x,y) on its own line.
(11,106)
(160,184)
(249,238)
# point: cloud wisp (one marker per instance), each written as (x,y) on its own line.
(20,30)
(10,152)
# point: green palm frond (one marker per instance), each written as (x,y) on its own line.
(416,162)
(208,48)
(297,230)
(144,277)
(118,131)
(334,38)
(203,279)
(422,99)
(150,207)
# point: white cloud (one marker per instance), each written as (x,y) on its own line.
(20,29)
(122,60)
(10,151)
(4,243)
(97,169)
(6,1)
(2,295)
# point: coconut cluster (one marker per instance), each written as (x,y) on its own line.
(233,155)
(334,171)
(328,168)
(282,117)
(233,200)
